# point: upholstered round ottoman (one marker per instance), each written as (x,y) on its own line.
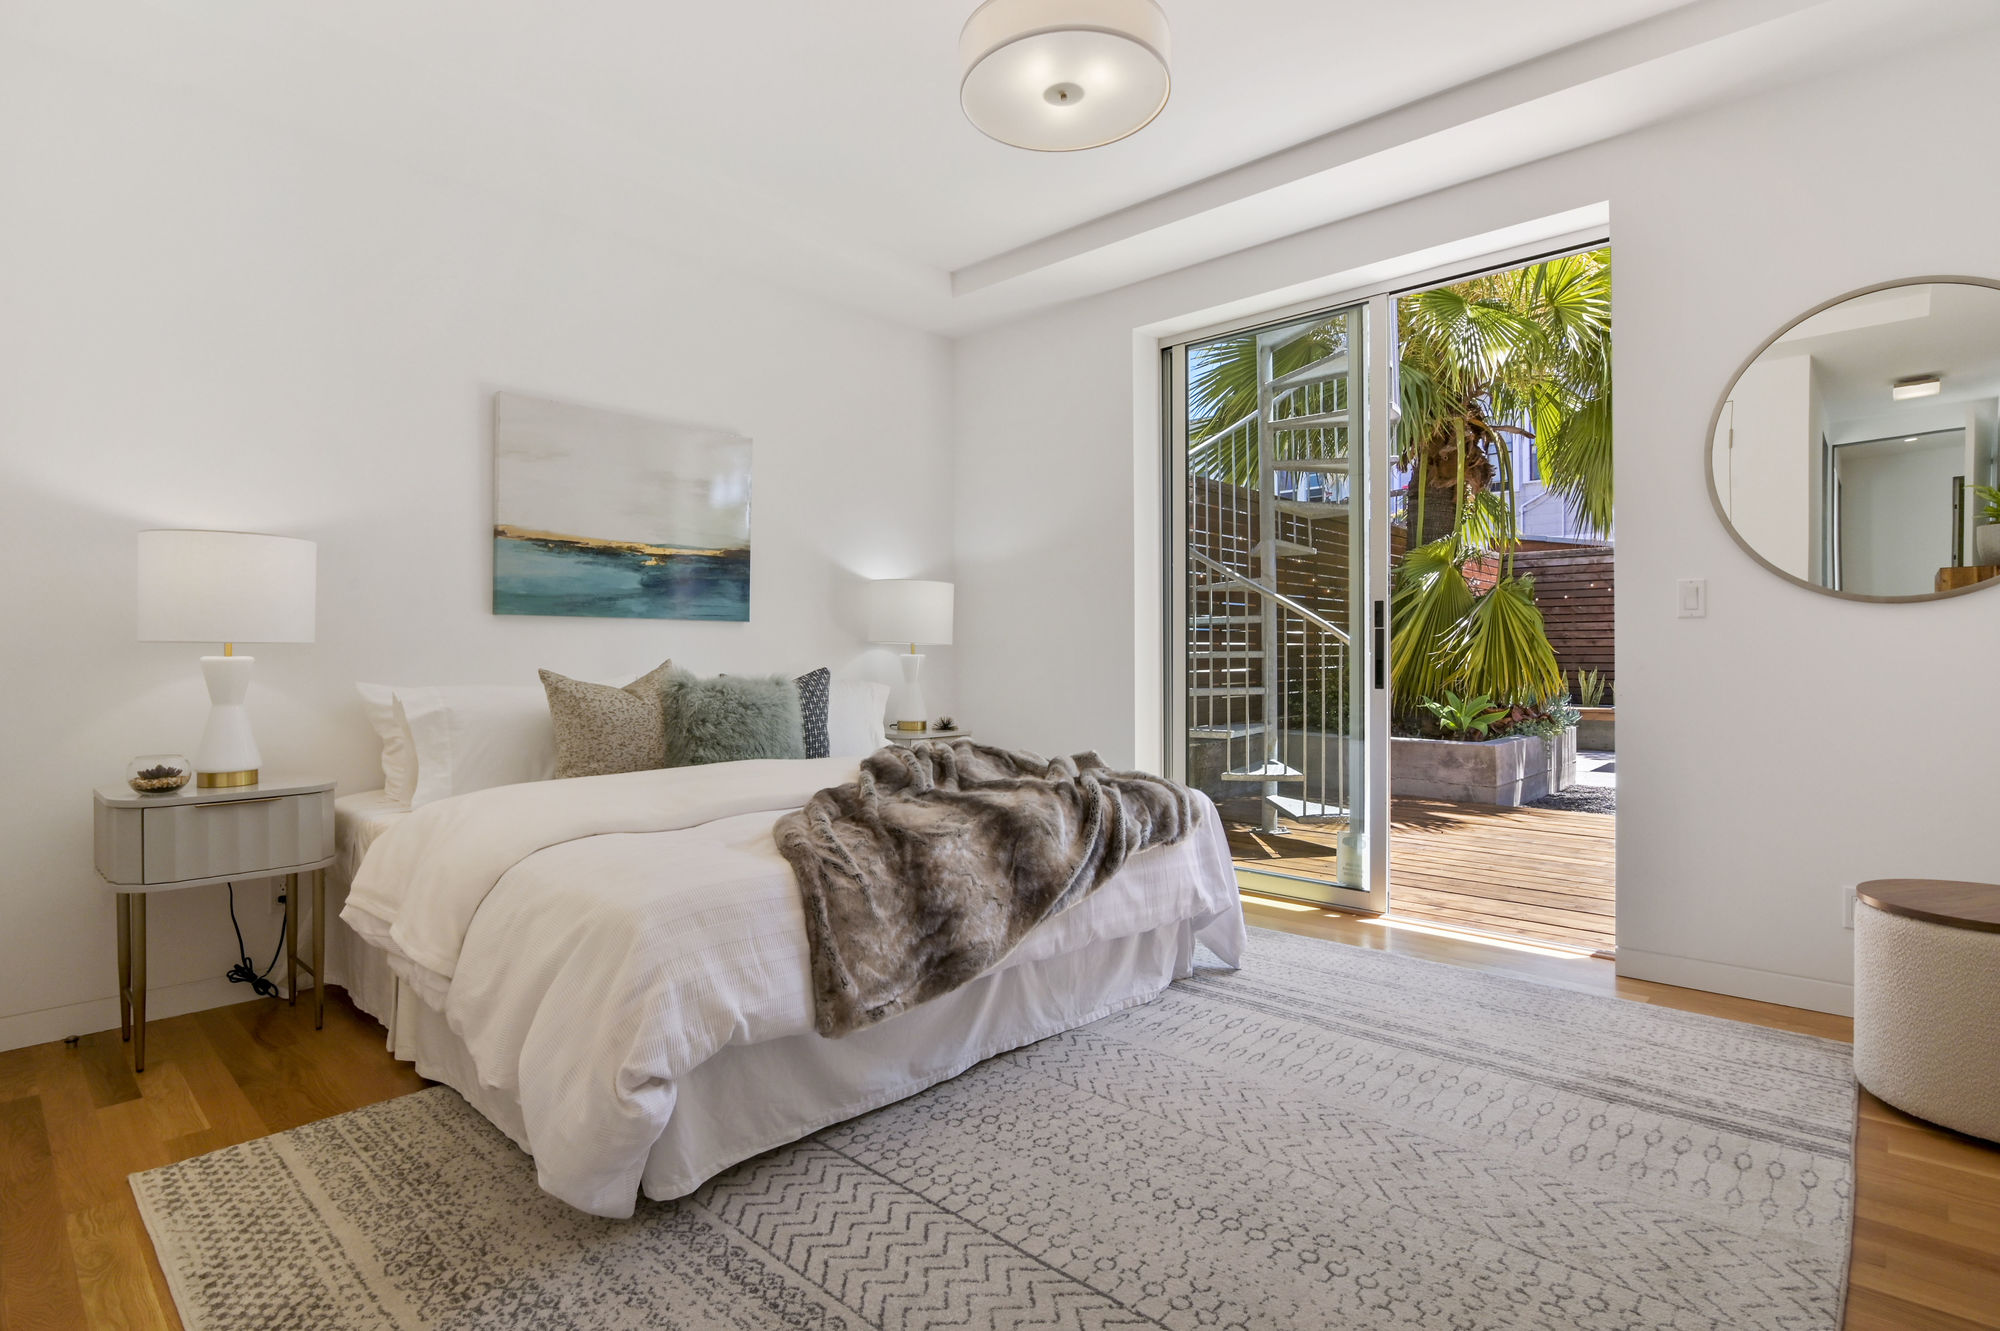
(1927,999)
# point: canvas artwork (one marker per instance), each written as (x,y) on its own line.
(604,514)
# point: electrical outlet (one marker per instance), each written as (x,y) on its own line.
(1847,904)
(277,898)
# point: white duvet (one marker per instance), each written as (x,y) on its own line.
(592,939)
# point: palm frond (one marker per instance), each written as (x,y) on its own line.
(1431,600)
(1577,463)
(1503,647)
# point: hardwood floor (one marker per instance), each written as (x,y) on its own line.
(74,1121)
(1544,874)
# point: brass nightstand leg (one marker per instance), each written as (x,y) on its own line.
(124,908)
(319,949)
(138,902)
(292,939)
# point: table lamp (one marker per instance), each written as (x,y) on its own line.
(226,587)
(904,611)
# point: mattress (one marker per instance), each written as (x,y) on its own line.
(358,823)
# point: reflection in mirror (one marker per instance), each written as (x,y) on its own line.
(1860,452)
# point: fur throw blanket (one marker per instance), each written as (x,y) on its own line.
(928,870)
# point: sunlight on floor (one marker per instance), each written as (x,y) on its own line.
(1490,940)
(1422,927)
(1274,903)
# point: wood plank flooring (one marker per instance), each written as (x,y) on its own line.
(1544,874)
(74,1121)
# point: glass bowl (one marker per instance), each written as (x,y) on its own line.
(158,773)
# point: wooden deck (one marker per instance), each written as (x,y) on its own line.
(1540,874)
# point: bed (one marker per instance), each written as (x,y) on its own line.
(613,969)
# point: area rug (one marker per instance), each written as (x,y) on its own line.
(1330,1137)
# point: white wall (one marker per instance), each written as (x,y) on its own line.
(1764,456)
(1982,451)
(1895,513)
(1764,763)
(205,322)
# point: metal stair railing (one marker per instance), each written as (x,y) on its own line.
(1276,733)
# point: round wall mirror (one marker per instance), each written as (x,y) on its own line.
(1858,452)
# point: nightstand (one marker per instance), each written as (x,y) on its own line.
(905,738)
(279,828)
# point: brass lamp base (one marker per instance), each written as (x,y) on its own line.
(912,727)
(225,780)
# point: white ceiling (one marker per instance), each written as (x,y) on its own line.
(849,111)
(820,141)
(1861,348)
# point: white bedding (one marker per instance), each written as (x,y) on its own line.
(594,941)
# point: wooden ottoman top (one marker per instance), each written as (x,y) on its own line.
(1939,900)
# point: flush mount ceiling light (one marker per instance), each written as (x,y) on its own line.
(1924,385)
(1059,75)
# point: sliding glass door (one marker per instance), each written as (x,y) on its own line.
(1278,596)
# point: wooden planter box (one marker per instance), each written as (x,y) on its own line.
(1596,732)
(1508,771)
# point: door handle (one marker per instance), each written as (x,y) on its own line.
(1381,644)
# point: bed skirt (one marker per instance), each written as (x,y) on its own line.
(748,1099)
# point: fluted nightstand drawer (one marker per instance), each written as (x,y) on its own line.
(237,837)
(196,836)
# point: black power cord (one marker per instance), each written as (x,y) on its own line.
(245,970)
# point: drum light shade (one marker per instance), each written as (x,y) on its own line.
(225,586)
(1059,75)
(905,611)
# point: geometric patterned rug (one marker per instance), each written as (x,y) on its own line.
(1330,1137)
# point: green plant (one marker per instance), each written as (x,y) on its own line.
(1989,502)
(1505,645)
(1460,715)
(1430,600)
(1524,353)
(1547,717)
(1590,687)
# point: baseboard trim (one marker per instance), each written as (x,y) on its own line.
(101,1014)
(1738,981)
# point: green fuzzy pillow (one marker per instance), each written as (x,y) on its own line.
(730,718)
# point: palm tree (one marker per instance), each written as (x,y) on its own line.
(1527,353)
(1524,353)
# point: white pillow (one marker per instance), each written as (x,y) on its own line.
(472,736)
(399,750)
(854,712)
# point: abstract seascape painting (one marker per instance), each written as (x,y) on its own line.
(603,514)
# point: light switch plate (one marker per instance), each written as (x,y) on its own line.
(1693,598)
(1847,904)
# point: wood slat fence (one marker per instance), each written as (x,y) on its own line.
(1573,588)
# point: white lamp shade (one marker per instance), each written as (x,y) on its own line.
(909,611)
(225,586)
(1059,75)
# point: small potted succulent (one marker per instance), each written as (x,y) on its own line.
(158,773)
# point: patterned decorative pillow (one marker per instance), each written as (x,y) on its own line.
(601,729)
(731,718)
(815,688)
